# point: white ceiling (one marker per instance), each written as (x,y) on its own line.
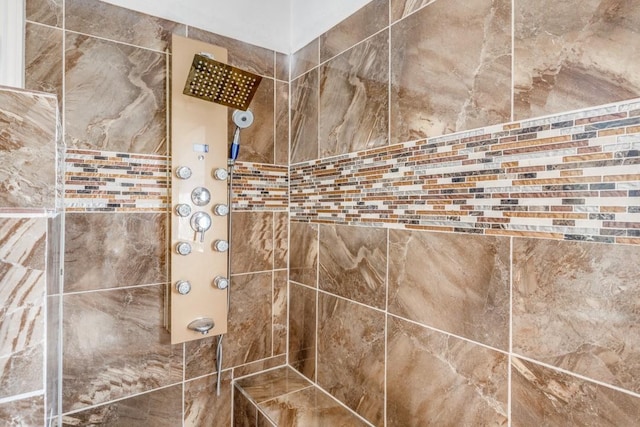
(281,25)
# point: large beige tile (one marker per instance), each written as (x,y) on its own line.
(280,239)
(305,59)
(304,118)
(245,413)
(24,412)
(200,357)
(402,8)
(47,12)
(43,54)
(271,384)
(252,242)
(203,407)
(282,124)
(303,255)
(302,329)
(280,312)
(283,63)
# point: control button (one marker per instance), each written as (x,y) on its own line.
(183,209)
(183,287)
(221,210)
(183,248)
(200,196)
(221,245)
(220,174)
(183,172)
(221,282)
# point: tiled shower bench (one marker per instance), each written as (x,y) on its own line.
(284,398)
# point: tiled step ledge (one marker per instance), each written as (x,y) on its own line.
(284,398)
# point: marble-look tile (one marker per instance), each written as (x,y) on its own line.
(282,124)
(263,421)
(108,250)
(450,69)
(544,397)
(365,22)
(280,313)
(354,99)
(250,315)
(259,366)
(120,107)
(252,242)
(203,407)
(574,54)
(245,413)
(55,231)
(302,329)
(257,141)
(53,354)
(43,54)
(305,59)
(454,282)
(402,8)
(351,355)
(280,239)
(303,257)
(200,357)
(123,330)
(47,12)
(309,407)
(248,57)
(28,412)
(22,310)
(27,149)
(353,263)
(271,384)
(283,62)
(120,24)
(575,306)
(160,408)
(304,118)
(437,379)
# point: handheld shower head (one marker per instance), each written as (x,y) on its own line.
(242,120)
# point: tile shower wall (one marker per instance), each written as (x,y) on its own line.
(108,66)
(454,258)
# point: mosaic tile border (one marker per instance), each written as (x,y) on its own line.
(258,186)
(573,176)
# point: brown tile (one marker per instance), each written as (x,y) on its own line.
(575,307)
(203,407)
(53,354)
(117,108)
(303,257)
(55,235)
(47,12)
(24,412)
(302,329)
(245,413)
(353,263)
(545,397)
(354,101)
(270,384)
(161,408)
(131,250)
(571,55)
(259,366)
(280,239)
(305,59)
(402,8)
(252,242)
(263,421)
(282,124)
(426,366)
(280,313)
(120,24)
(282,66)
(304,118)
(200,357)
(43,59)
(454,282)
(450,69)
(351,358)
(123,329)
(365,22)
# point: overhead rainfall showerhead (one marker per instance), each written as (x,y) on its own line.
(221,83)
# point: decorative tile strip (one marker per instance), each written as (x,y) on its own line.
(115,182)
(258,186)
(573,176)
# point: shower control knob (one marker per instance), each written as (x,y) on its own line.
(200,222)
(221,282)
(221,210)
(183,248)
(221,245)
(183,209)
(183,287)
(183,172)
(220,174)
(200,196)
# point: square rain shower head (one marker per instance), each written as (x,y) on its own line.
(221,83)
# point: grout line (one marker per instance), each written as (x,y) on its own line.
(114,289)
(93,36)
(17,397)
(509,384)
(335,399)
(513,59)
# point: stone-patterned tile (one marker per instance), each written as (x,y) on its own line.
(203,407)
(43,54)
(55,235)
(354,99)
(432,376)
(305,59)
(123,329)
(282,124)
(280,239)
(24,412)
(250,315)
(544,397)
(53,354)
(27,149)
(244,411)
(571,55)
(367,21)
(22,305)
(304,118)
(47,12)
(248,57)
(270,384)
(132,250)
(160,408)
(450,69)
(353,263)
(280,298)
(575,306)
(259,366)
(402,8)
(120,24)
(283,62)
(351,355)
(454,282)
(302,329)
(263,421)
(119,108)
(252,242)
(303,257)
(200,357)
